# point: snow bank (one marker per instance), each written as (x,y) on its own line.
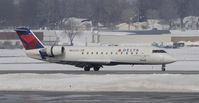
(12,52)
(63,82)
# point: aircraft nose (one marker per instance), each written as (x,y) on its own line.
(169,59)
(172,60)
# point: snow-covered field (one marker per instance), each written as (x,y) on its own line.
(63,82)
(188,59)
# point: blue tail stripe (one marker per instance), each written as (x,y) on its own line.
(27,45)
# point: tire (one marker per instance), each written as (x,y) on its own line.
(86,68)
(163,69)
(96,68)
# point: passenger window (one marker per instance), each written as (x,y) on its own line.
(91,52)
(82,53)
(97,53)
(121,53)
(126,53)
(101,52)
(106,53)
(87,52)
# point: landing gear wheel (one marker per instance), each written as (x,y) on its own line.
(86,68)
(96,68)
(163,67)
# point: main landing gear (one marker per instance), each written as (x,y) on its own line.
(87,68)
(95,68)
(163,67)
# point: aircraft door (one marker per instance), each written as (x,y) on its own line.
(143,57)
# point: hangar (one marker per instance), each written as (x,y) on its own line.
(185,36)
(133,37)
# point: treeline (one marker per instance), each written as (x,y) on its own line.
(50,13)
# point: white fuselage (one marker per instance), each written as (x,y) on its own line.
(109,55)
(92,57)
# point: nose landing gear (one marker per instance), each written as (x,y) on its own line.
(163,67)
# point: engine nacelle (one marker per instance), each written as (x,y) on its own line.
(55,51)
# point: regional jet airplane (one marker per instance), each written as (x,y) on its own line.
(92,57)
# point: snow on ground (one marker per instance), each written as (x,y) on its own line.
(63,82)
(12,52)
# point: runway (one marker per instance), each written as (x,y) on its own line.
(98,97)
(102,72)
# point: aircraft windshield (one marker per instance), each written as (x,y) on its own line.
(159,51)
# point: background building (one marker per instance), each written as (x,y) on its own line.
(129,37)
(185,36)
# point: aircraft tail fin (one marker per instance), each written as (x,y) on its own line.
(28,39)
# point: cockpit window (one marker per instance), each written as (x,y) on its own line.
(159,51)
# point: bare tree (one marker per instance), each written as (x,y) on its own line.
(168,12)
(48,13)
(72,28)
(153,15)
(182,7)
(129,16)
(6,12)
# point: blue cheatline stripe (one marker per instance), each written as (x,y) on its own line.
(27,45)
